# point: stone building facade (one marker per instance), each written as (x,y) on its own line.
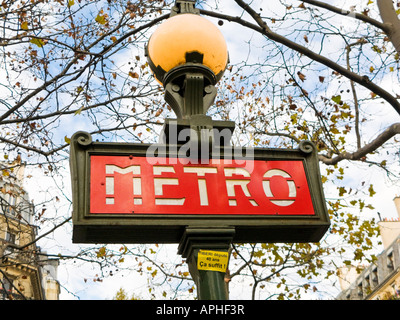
(381,279)
(26,273)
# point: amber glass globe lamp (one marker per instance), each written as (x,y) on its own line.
(187,39)
(188,55)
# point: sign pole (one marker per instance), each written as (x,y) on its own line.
(210,284)
(207,253)
(190,91)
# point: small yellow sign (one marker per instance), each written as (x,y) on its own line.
(212,260)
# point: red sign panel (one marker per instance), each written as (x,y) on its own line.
(143,185)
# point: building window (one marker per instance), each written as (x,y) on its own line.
(12,200)
(360,290)
(375,277)
(367,284)
(10,237)
(8,203)
(390,264)
(396,291)
(398,247)
(6,285)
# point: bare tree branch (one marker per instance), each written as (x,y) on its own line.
(364,151)
(263,28)
(351,14)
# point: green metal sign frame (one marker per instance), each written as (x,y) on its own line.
(154,228)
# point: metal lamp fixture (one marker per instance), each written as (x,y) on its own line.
(188,55)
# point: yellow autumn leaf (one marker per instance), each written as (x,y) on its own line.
(293,118)
(371,190)
(334,130)
(39,42)
(24,25)
(71,3)
(101,19)
(342,191)
(78,112)
(101,252)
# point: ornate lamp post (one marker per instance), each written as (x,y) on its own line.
(188,56)
(270,195)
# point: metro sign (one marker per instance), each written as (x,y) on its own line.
(123,195)
(138,185)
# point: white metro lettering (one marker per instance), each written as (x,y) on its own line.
(235,183)
(201,171)
(231,183)
(137,186)
(267,187)
(160,182)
